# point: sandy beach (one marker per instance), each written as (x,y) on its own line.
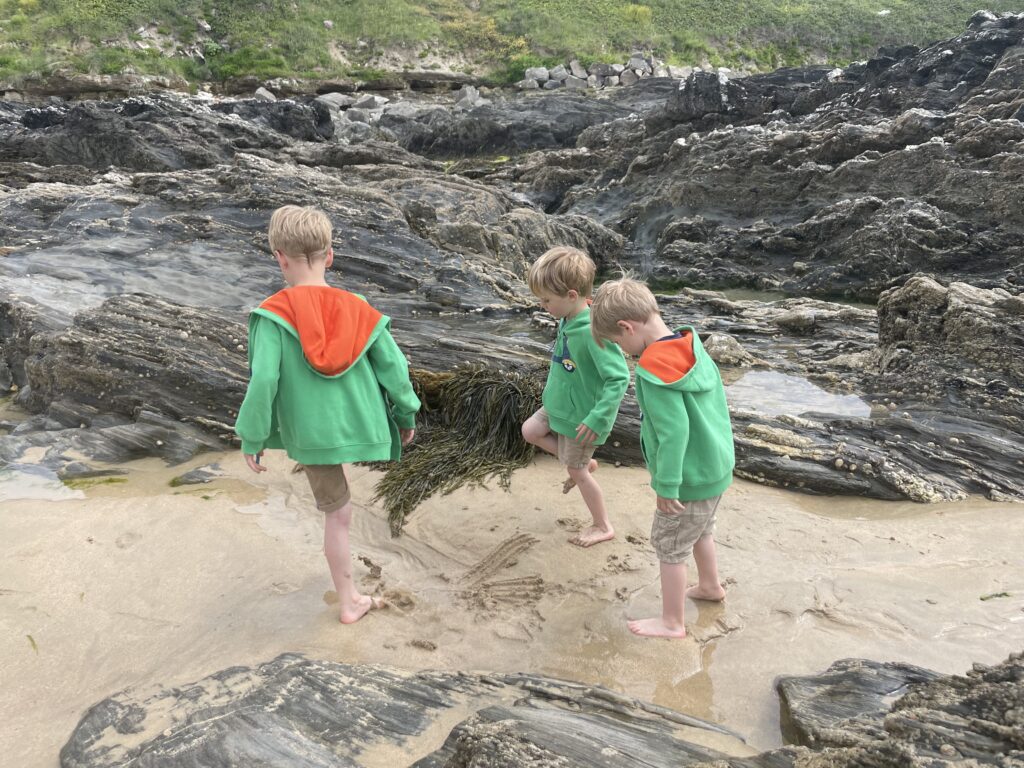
(136,583)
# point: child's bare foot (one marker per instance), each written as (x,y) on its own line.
(654,628)
(569,484)
(592,535)
(698,592)
(363,605)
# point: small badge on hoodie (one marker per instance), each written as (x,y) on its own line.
(564,357)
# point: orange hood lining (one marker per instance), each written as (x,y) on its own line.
(333,326)
(670,360)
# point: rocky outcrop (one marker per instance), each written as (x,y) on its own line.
(830,183)
(158,205)
(546,121)
(850,691)
(298,712)
(849,712)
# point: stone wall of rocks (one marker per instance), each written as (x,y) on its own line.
(598,75)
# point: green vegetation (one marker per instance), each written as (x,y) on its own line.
(269,38)
(81,483)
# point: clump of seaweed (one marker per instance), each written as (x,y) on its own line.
(469,433)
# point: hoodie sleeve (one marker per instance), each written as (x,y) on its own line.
(614,373)
(255,417)
(665,410)
(392,372)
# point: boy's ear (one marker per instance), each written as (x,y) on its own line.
(330,258)
(626,326)
(572,295)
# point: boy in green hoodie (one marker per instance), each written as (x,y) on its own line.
(326,382)
(686,438)
(586,382)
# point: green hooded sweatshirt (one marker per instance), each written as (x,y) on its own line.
(327,382)
(585,382)
(685,434)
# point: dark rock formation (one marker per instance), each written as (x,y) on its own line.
(124,222)
(850,690)
(829,184)
(541,121)
(298,712)
(938,721)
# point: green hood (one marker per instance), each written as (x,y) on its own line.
(686,434)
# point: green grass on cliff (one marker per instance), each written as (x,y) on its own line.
(288,37)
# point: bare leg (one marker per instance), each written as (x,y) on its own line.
(536,432)
(569,484)
(339,559)
(707,586)
(673,602)
(602,529)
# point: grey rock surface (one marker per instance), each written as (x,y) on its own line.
(850,690)
(935,720)
(298,712)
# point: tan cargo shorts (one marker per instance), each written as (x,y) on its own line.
(673,536)
(571,453)
(329,486)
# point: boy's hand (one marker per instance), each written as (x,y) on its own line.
(670,506)
(585,435)
(253,461)
(407,435)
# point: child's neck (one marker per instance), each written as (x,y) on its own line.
(578,307)
(653,330)
(301,274)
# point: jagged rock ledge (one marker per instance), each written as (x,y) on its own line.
(298,712)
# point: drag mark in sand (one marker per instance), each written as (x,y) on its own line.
(487,594)
(505,555)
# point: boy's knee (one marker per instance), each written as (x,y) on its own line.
(578,473)
(531,432)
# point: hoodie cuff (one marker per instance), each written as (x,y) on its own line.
(666,490)
(405,420)
(251,449)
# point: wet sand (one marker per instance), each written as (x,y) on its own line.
(138,583)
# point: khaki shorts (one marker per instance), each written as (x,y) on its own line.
(329,485)
(673,536)
(571,453)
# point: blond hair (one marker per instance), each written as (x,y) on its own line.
(560,270)
(622,299)
(300,231)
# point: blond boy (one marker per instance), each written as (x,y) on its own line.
(586,382)
(326,382)
(686,438)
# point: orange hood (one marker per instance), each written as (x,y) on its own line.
(670,359)
(333,326)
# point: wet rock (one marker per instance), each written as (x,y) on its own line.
(937,720)
(851,689)
(298,712)
(199,475)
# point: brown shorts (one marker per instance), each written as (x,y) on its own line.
(571,453)
(329,485)
(673,536)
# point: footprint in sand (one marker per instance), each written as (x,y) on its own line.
(283,588)
(400,599)
(127,540)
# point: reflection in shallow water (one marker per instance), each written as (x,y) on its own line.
(779,394)
(31,481)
